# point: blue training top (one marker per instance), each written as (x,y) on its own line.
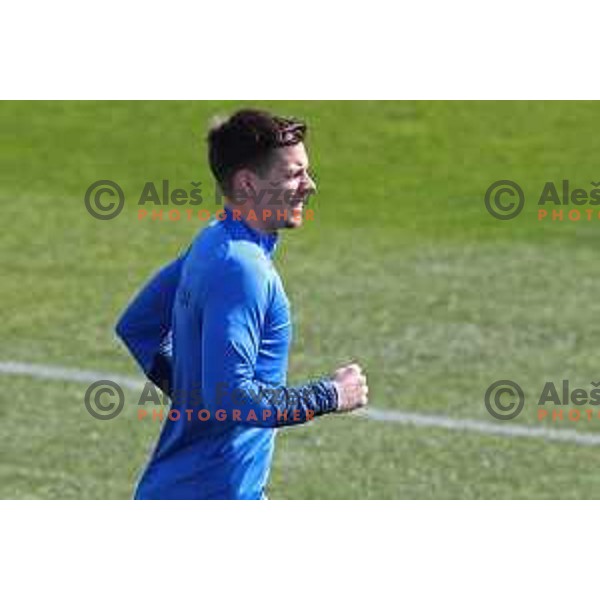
(223,361)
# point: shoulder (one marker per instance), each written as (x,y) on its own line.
(244,269)
(218,265)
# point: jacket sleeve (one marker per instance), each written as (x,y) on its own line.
(145,325)
(233,315)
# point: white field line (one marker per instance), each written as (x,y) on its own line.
(375,414)
(484,428)
(69,374)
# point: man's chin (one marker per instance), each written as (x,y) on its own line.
(294,222)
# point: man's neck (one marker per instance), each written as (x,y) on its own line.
(254,223)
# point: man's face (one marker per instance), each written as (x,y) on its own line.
(283,190)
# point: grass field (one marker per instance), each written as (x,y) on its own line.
(402,269)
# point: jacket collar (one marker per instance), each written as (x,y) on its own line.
(241,229)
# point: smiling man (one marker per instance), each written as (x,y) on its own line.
(213,328)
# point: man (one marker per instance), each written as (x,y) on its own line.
(213,328)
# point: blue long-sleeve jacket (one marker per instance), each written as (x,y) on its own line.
(224,363)
(145,326)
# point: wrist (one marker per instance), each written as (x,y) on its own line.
(338,394)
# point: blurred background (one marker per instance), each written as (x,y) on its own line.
(402,269)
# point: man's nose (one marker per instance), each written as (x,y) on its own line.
(309,185)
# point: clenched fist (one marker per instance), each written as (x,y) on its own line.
(351,387)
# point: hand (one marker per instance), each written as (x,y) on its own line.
(351,387)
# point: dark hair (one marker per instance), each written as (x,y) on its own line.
(247,140)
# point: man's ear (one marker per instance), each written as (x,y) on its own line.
(244,183)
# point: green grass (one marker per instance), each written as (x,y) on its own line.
(403,269)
